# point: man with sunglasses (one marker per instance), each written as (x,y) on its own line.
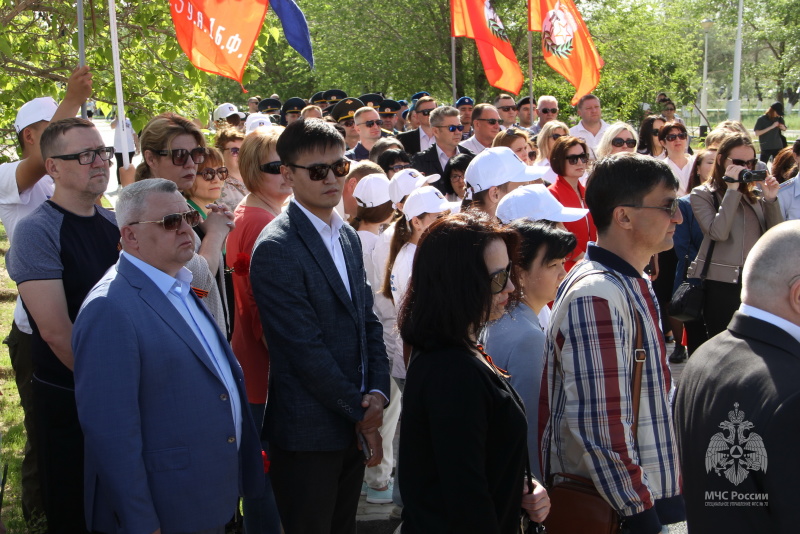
(486,124)
(591,126)
(447,129)
(547,108)
(368,124)
(605,309)
(507,109)
(343,113)
(421,138)
(329,373)
(59,251)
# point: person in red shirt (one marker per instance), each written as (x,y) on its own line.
(569,159)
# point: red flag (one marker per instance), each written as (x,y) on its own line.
(477,20)
(566,43)
(218,36)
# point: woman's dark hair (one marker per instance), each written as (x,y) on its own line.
(534,235)
(796,147)
(388,158)
(449,297)
(401,236)
(558,154)
(667,129)
(458,162)
(377,214)
(304,136)
(784,166)
(694,175)
(646,134)
(715,182)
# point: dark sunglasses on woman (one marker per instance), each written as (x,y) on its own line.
(209,174)
(618,142)
(180,155)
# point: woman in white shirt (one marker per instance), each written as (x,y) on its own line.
(674,138)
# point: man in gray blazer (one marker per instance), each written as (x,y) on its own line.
(329,373)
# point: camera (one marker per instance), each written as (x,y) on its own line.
(746,176)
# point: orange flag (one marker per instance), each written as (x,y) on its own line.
(566,43)
(477,20)
(218,36)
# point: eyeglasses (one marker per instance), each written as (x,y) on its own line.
(398,168)
(348,123)
(573,159)
(234,151)
(507,108)
(370,124)
(180,155)
(87,156)
(548,110)
(669,109)
(273,167)
(319,171)
(655,133)
(499,280)
(618,142)
(749,163)
(209,174)
(453,127)
(456,177)
(425,112)
(671,209)
(172,222)
(671,137)
(532,155)
(556,136)
(491,122)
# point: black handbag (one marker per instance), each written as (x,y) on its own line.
(687,301)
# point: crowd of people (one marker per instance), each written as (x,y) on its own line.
(257,314)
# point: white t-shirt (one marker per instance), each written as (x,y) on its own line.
(128,135)
(384,308)
(13,207)
(368,241)
(682,175)
(401,274)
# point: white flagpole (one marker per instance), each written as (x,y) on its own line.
(453,61)
(81,49)
(530,66)
(112,19)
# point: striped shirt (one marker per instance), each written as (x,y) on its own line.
(587,384)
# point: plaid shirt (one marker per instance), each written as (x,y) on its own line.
(587,384)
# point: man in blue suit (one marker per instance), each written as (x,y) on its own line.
(329,373)
(169,440)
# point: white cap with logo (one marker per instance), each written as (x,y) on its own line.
(405,181)
(38,109)
(226,110)
(256,120)
(499,165)
(372,191)
(426,199)
(535,202)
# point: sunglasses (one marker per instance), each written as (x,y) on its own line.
(548,110)
(507,108)
(655,133)
(370,124)
(425,112)
(532,155)
(453,127)
(618,142)
(87,157)
(319,171)
(398,168)
(209,174)
(556,136)
(491,122)
(669,109)
(573,160)
(172,222)
(348,123)
(671,209)
(671,137)
(234,151)
(749,163)
(180,155)
(273,167)
(499,280)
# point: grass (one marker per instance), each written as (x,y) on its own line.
(11,416)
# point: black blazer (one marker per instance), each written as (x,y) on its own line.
(737,418)
(427,162)
(410,140)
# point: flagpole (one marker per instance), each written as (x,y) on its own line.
(112,19)
(81,49)
(530,67)
(453,61)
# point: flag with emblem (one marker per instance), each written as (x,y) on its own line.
(477,20)
(566,43)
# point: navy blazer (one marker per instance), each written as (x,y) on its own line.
(323,344)
(410,140)
(159,438)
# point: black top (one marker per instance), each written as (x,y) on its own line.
(462,449)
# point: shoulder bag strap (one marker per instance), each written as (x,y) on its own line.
(710,251)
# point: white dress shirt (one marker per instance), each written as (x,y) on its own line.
(473,144)
(592,140)
(425,140)
(757,313)
(330,238)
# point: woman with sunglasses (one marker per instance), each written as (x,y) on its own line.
(569,160)
(172,148)
(463,445)
(668,111)
(516,341)
(229,142)
(675,139)
(734,222)
(517,140)
(619,137)
(648,136)
(207,187)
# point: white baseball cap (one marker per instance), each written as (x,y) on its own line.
(535,202)
(226,110)
(256,120)
(499,165)
(405,181)
(38,109)
(426,199)
(372,191)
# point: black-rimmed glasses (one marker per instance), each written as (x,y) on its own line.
(671,209)
(87,157)
(319,171)
(618,142)
(181,155)
(499,280)
(273,167)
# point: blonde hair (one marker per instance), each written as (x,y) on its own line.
(256,146)
(509,135)
(545,141)
(604,147)
(159,134)
(226,135)
(308,109)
